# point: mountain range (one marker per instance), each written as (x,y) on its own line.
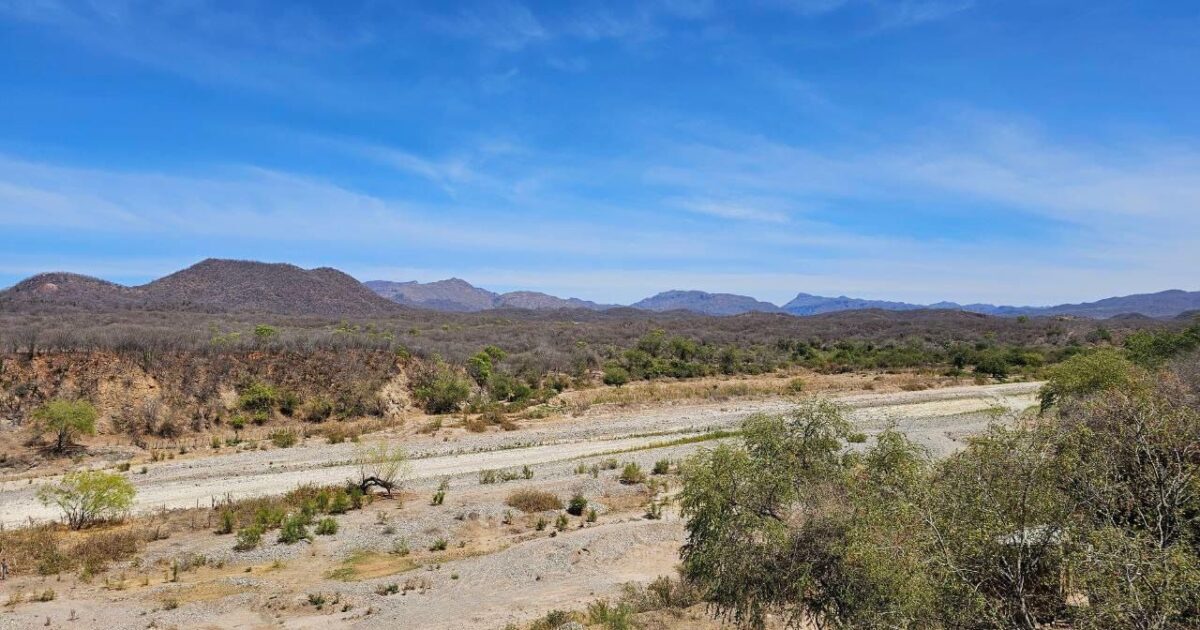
(461,296)
(224,286)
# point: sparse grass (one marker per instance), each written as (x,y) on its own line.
(528,500)
(857,437)
(50,549)
(439,545)
(561,522)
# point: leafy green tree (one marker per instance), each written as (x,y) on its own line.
(64,420)
(88,496)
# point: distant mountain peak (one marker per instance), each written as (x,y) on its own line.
(705,302)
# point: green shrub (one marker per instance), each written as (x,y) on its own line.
(662,467)
(561,522)
(439,545)
(577,505)
(227,522)
(88,496)
(615,375)
(283,438)
(327,526)
(294,529)
(440,389)
(632,474)
(258,397)
(248,538)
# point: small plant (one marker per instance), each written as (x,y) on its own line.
(577,505)
(227,523)
(123,467)
(439,545)
(327,526)
(561,522)
(45,596)
(248,538)
(606,615)
(400,548)
(215,443)
(526,472)
(591,515)
(317,600)
(856,438)
(294,529)
(170,603)
(632,474)
(796,385)
(487,477)
(654,510)
(439,497)
(387,589)
(541,523)
(662,467)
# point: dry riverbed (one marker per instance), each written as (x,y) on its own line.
(498,567)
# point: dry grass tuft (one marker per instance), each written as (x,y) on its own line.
(534,501)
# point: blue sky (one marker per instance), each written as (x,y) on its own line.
(1021,152)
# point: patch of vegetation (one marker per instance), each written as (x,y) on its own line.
(886,537)
(529,500)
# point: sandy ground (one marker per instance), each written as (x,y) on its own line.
(498,570)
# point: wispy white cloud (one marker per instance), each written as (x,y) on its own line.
(736,210)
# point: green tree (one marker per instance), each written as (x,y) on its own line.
(64,419)
(88,496)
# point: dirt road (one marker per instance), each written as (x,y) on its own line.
(938,419)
